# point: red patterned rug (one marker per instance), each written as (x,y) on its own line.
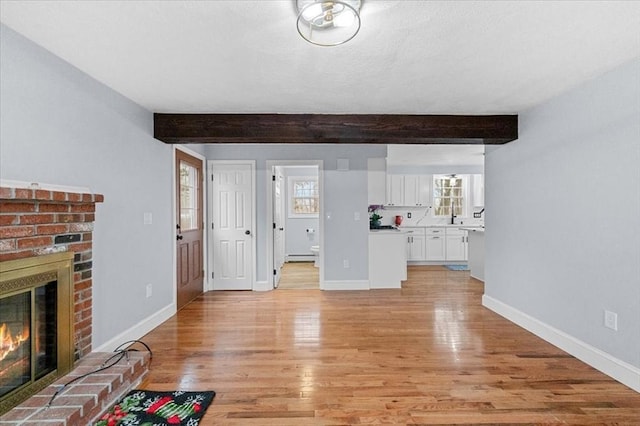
(147,408)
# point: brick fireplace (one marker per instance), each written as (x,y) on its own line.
(36,221)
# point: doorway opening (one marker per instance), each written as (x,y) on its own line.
(294,207)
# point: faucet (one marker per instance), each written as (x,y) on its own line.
(452,215)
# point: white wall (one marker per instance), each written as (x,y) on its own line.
(563,219)
(59,126)
(345,192)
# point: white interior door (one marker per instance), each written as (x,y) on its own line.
(232,233)
(278,224)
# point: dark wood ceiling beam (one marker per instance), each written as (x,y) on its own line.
(335,128)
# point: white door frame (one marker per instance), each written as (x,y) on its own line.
(283,234)
(210,166)
(269,213)
(174,220)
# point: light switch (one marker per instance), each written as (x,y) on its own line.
(148,218)
(356,216)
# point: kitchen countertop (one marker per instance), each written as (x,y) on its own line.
(457,226)
(473,229)
(409,228)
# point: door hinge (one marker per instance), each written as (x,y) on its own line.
(212,177)
(212,227)
(212,275)
(274,225)
(273,178)
(274,272)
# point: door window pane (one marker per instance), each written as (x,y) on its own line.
(188,197)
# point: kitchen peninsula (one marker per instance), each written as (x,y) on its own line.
(387,258)
(476,252)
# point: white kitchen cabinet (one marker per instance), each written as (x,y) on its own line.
(456,246)
(416,190)
(408,190)
(435,244)
(395,190)
(416,244)
(377,176)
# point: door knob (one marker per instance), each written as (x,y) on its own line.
(247,232)
(178,237)
(281,229)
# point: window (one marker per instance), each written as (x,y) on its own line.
(188,196)
(303,196)
(450,191)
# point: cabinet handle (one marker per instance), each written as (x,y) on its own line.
(463,239)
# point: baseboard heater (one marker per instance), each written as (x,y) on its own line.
(299,258)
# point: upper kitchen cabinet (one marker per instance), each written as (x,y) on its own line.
(408,190)
(417,190)
(478,190)
(377,177)
(395,190)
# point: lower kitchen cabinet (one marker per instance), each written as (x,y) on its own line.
(456,245)
(416,244)
(435,244)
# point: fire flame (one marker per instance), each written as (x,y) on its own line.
(9,343)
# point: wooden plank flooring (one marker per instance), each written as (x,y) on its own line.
(299,276)
(426,354)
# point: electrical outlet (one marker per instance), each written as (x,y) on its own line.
(611,320)
(149,290)
(147,218)
(345,263)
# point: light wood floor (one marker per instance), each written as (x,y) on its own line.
(426,354)
(299,275)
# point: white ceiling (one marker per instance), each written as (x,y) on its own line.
(412,57)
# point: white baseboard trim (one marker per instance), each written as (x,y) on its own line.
(619,370)
(262,286)
(299,258)
(138,330)
(345,285)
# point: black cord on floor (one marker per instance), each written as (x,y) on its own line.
(119,353)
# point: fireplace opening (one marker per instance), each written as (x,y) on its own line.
(35,325)
(27,336)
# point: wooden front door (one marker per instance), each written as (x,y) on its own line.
(189,229)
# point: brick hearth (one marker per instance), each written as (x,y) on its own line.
(82,402)
(37,221)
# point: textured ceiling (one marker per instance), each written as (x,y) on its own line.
(410,57)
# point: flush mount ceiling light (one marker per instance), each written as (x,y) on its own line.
(328,23)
